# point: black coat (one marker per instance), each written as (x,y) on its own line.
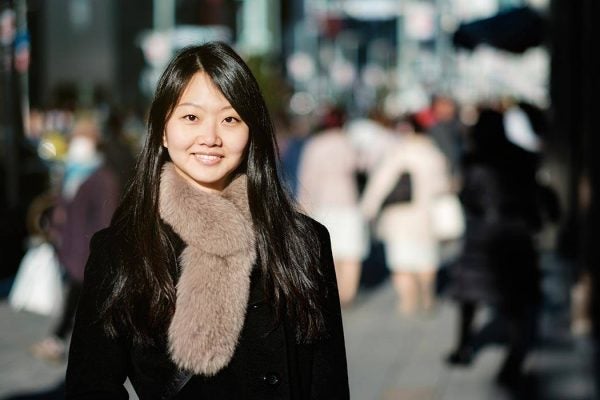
(498,264)
(268,363)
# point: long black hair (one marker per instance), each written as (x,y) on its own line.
(143,293)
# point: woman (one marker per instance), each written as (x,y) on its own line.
(87,200)
(208,283)
(329,193)
(411,247)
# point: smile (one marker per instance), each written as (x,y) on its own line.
(208,159)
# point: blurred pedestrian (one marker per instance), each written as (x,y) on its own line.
(448,132)
(371,136)
(499,262)
(405,225)
(88,197)
(209,283)
(328,192)
(118,152)
(291,150)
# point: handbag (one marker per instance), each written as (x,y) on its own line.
(447,217)
(402,191)
(37,286)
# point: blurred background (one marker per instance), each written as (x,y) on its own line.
(388,68)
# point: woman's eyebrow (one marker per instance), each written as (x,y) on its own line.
(189,103)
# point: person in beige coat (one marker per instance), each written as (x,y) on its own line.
(405,229)
(328,192)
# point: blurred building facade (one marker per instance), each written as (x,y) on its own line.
(354,51)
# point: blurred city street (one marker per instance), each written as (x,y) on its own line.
(389,357)
(493,102)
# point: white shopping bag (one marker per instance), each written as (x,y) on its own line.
(447,218)
(38,285)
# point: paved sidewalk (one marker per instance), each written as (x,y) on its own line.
(398,358)
(390,357)
(20,372)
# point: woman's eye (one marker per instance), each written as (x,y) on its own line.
(190,117)
(231,120)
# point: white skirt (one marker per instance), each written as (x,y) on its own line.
(412,256)
(348,231)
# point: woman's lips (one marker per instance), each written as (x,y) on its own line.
(208,159)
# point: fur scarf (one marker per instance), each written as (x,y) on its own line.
(214,285)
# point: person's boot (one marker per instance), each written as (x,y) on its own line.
(462,356)
(509,376)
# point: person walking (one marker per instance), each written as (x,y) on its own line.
(328,191)
(498,266)
(88,197)
(209,283)
(448,132)
(405,225)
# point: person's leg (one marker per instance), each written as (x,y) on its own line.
(463,353)
(53,347)
(522,325)
(406,287)
(348,278)
(426,281)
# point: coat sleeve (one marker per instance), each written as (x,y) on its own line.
(97,365)
(330,369)
(381,182)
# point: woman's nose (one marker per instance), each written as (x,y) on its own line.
(209,135)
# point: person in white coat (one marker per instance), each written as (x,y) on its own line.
(405,228)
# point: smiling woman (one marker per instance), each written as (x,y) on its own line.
(205,137)
(209,283)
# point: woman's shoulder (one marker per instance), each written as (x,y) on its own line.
(319,229)
(323,251)
(105,248)
(328,140)
(103,239)
(101,262)
(422,146)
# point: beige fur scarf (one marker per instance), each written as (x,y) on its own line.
(214,285)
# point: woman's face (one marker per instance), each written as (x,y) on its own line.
(205,137)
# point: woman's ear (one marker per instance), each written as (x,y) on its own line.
(164,140)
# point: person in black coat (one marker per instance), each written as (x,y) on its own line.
(209,283)
(499,261)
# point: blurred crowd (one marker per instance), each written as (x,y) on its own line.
(449,202)
(88,156)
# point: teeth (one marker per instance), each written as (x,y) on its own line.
(207,157)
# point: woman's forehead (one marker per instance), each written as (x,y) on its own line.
(201,91)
